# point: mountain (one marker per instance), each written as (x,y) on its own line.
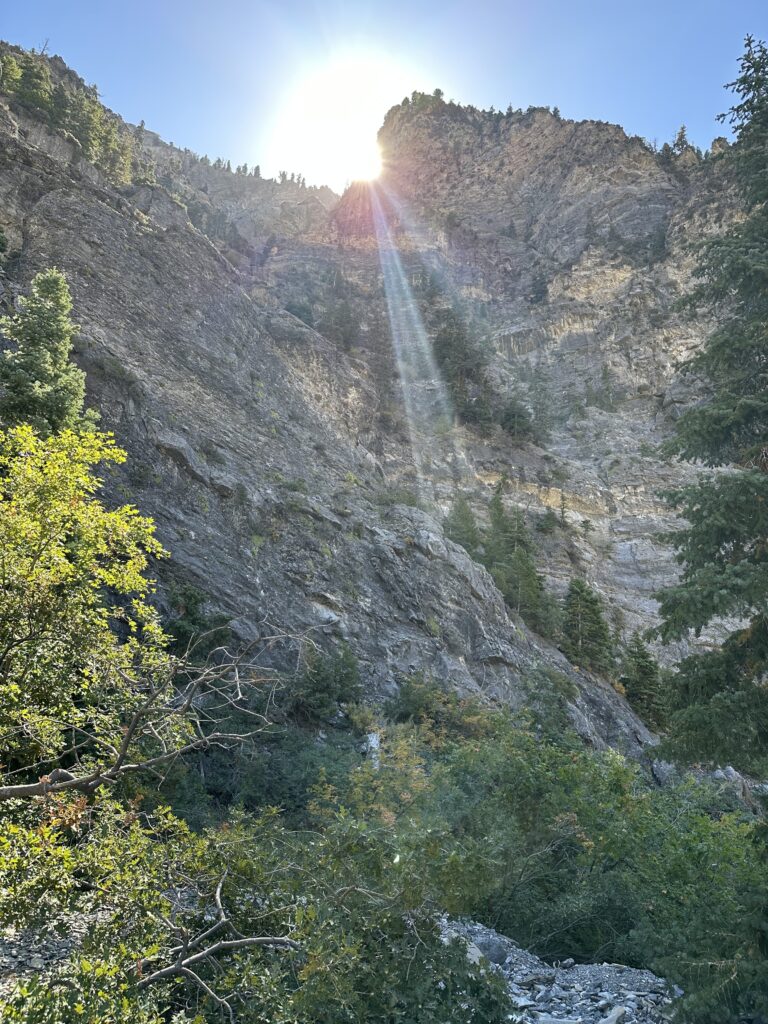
(237,339)
(407,446)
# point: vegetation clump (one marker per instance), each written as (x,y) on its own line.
(75,109)
(718,699)
(40,385)
(507,550)
(586,635)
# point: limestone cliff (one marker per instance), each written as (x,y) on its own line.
(275,455)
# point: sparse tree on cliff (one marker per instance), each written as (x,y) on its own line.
(461,525)
(509,555)
(681,141)
(38,382)
(586,636)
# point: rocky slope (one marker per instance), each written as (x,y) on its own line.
(567,993)
(276,456)
(569,245)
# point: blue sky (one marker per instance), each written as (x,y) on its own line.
(217,76)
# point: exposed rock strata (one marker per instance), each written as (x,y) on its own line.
(271,456)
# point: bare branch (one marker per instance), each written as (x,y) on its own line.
(209,992)
(182,698)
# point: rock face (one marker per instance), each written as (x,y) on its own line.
(567,993)
(569,245)
(277,457)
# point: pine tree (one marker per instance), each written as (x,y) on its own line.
(38,383)
(719,701)
(515,418)
(463,364)
(10,73)
(641,679)
(586,636)
(34,90)
(85,119)
(548,522)
(60,108)
(461,526)
(506,531)
(681,142)
(509,556)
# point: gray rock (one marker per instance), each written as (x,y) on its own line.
(557,995)
(615,1015)
(223,400)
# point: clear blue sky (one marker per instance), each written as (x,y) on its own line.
(207,74)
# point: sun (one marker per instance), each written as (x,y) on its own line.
(326,127)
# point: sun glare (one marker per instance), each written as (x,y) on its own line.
(326,128)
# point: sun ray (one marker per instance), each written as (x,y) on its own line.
(428,406)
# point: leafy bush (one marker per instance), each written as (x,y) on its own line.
(592,862)
(440,713)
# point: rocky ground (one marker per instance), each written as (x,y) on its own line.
(33,951)
(566,992)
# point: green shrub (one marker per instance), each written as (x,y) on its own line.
(399,496)
(548,522)
(191,627)
(439,712)
(327,680)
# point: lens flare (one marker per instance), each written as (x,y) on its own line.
(428,407)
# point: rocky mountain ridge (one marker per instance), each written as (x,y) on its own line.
(273,447)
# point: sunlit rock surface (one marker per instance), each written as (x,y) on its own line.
(274,448)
